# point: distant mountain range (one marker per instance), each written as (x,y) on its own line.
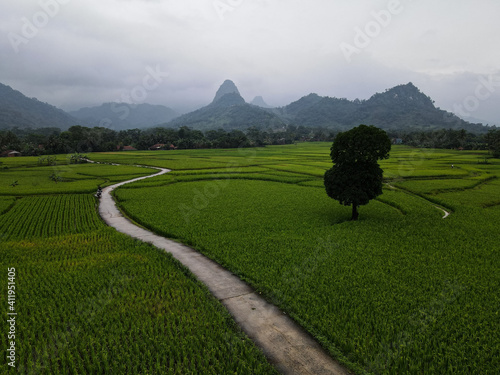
(402,108)
(227,111)
(120,116)
(17,110)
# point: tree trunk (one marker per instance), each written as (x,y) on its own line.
(355,213)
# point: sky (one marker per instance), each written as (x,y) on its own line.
(75,53)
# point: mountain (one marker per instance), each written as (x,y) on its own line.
(259,102)
(228,111)
(476,120)
(228,100)
(120,116)
(228,87)
(403,107)
(292,110)
(17,110)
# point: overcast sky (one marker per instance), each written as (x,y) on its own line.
(75,53)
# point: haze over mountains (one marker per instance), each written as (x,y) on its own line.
(228,111)
(17,110)
(120,116)
(259,102)
(400,108)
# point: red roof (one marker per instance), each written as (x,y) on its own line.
(157,146)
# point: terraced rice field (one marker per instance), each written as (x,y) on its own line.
(400,291)
(92,301)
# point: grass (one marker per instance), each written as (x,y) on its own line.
(47,216)
(99,302)
(91,300)
(64,179)
(400,291)
(6,203)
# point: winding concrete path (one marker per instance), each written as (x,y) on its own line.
(446,213)
(286,345)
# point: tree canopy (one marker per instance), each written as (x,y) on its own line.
(360,144)
(356,177)
(493,139)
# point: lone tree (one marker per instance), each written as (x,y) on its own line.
(356,177)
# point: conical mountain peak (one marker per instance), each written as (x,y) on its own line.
(228,87)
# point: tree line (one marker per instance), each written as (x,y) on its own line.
(80,139)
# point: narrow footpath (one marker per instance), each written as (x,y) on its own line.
(286,345)
(446,213)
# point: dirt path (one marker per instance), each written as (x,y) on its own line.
(446,213)
(287,346)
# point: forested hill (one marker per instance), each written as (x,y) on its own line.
(403,107)
(228,111)
(17,110)
(228,117)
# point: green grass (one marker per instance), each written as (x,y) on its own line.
(37,180)
(99,302)
(442,185)
(303,169)
(174,160)
(75,178)
(6,203)
(400,291)
(47,216)
(29,161)
(484,195)
(93,301)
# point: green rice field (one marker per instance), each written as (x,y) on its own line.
(401,291)
(93,301)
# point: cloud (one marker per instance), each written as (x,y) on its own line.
(94,51)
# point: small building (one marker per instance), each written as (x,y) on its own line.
(10,154)
(158,146)
(125,148)
(397,141)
